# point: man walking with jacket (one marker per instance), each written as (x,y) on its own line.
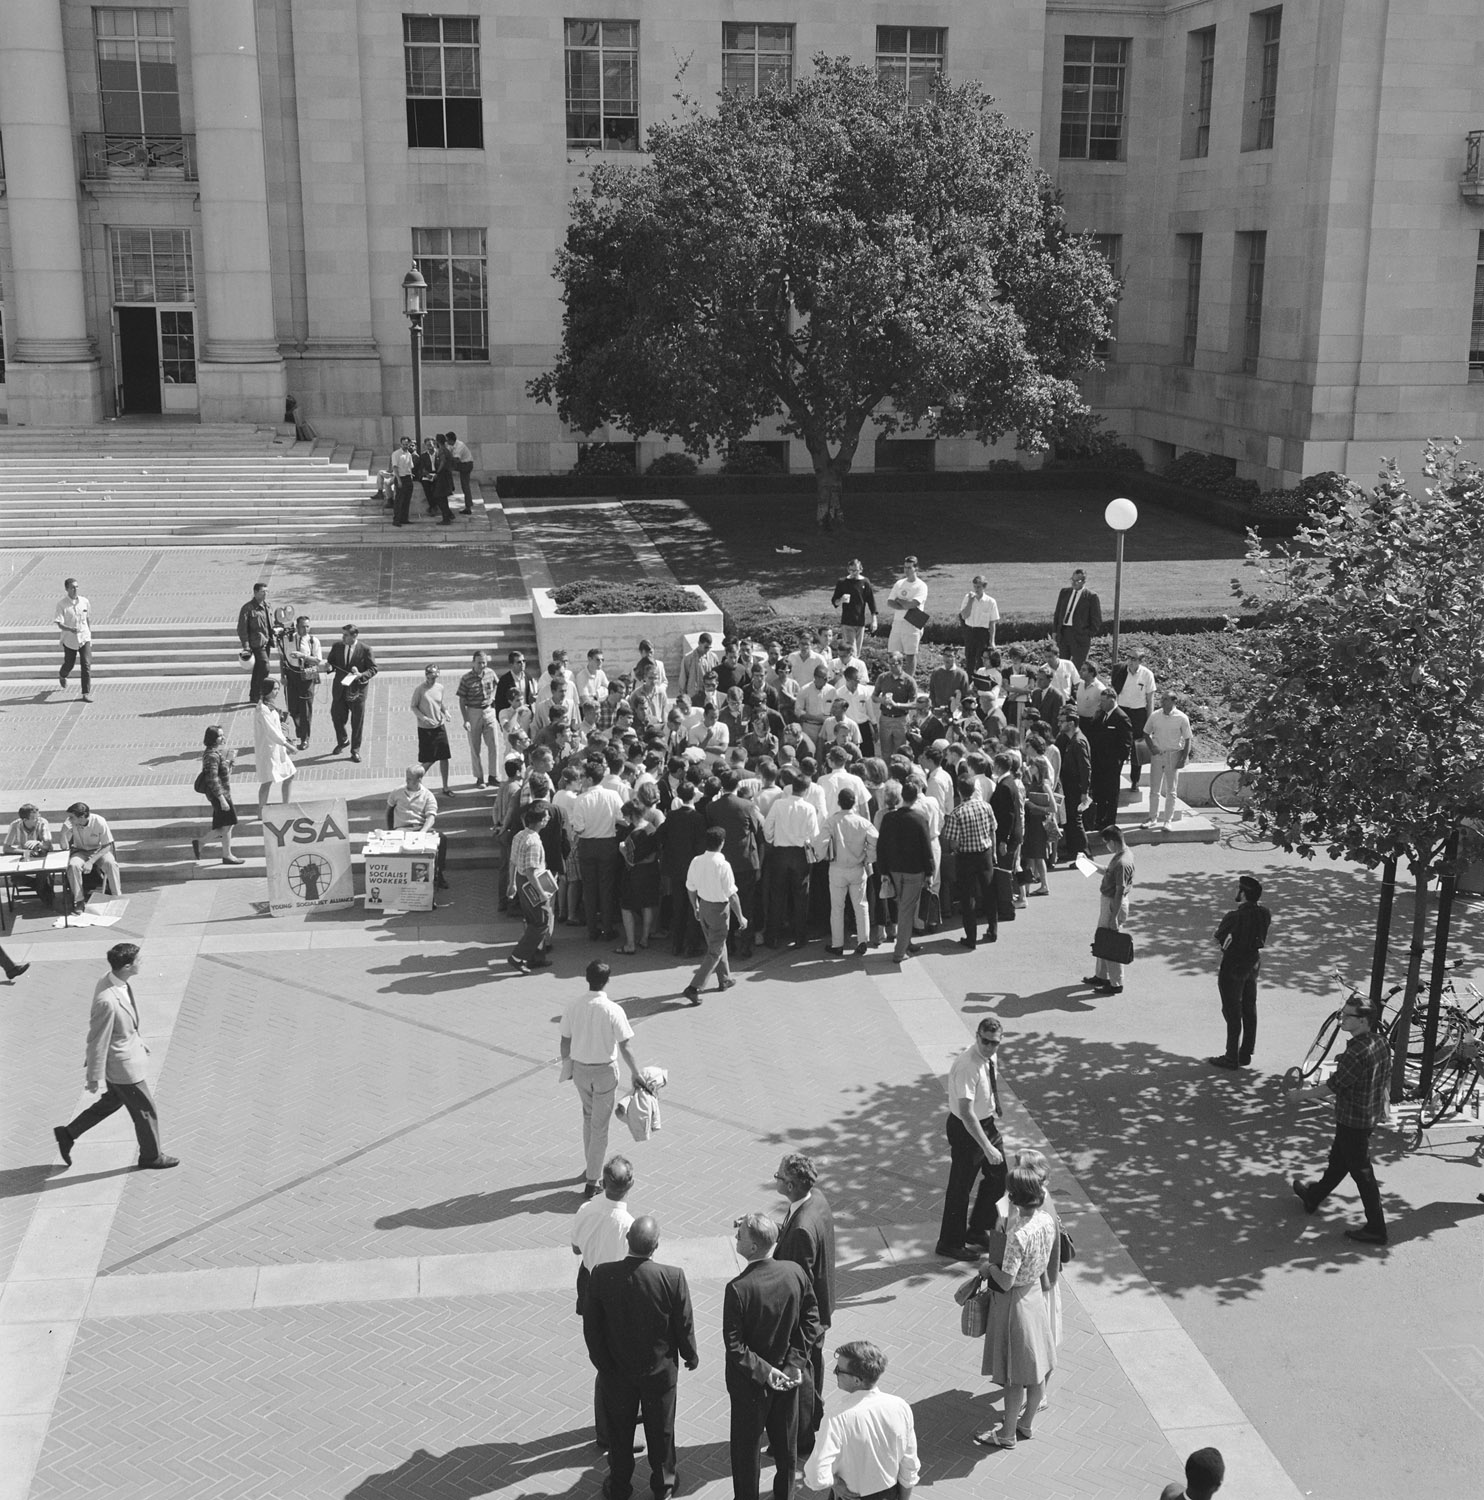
(116,1063)
(255,632)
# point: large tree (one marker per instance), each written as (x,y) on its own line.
(830,254)
(1367,738)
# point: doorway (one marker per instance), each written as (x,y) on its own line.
(139,359)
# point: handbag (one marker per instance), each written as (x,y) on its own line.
(915,616)
(1066,1250)
(1004,894)
(1114,946)
(973,1300)
(200,784)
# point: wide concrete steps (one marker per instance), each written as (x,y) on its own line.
(1188,827)
(143,436)
(121,653)
(154,843)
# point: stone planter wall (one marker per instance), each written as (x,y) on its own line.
(618,636)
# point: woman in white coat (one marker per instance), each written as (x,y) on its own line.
(271,747)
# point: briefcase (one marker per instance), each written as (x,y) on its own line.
(915,617)
(1004,894)
(1114,946)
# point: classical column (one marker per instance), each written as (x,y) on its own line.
(240,375)
(54,376)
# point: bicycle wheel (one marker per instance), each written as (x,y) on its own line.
(1444,1099)
(1320,1047)
(1228,791)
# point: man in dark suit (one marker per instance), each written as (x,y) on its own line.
(349,658)
(770,1322)
(682,837)
(1044,700)
(742,851)
(638,1326)
(807,1237)
(516,687)
(1076,780)
(1078,617)
(1110,738)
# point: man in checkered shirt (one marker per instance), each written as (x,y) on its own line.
(969,830)
(1359,1085)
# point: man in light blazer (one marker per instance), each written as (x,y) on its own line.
(349,659)
(116,1063)
(807,1237)
(1078,617)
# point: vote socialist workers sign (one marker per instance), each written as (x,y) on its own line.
(307,846)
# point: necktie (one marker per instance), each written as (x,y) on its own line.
(994,1086)
(1072,606)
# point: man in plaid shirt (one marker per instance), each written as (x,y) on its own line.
(969,830)
(527,861)
(1359,1085)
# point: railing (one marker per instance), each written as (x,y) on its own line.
(1471,182)
(123,156)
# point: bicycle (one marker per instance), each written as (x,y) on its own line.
(1458,1061)
(1232,791)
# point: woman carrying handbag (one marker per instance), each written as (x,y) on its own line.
(215,784)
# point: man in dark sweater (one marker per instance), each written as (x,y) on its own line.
(1076,778)
(1242,935)
(1110,738)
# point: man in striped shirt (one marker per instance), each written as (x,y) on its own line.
(476,695)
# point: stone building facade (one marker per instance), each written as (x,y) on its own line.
(211,203)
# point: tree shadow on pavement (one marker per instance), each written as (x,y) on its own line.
(1191,1168)
(1324,919)
(484,1468)
(563,1195)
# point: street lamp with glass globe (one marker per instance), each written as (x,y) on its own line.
(415,305)
(1120,515)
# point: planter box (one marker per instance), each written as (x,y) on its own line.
(618,636)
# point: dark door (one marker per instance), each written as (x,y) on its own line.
(139,358)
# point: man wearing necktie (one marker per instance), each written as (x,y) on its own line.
(1078,617)
(116,1063)
(807,1237)
(974,1143)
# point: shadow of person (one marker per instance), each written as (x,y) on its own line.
(1068,998)
(482,1468)
(946,1423)
(1422,1223)
(22,1182)
(561,1196)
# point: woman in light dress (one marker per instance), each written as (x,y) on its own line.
(1019,1352)
(271,747)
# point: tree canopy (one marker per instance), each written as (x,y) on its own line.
(1368,736)
(828,254)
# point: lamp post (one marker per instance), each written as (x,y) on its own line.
(415,305)
(1120,515)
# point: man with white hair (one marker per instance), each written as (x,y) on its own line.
(414,806)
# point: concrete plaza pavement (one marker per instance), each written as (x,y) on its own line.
(357,1281)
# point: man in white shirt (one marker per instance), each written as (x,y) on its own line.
(837,779)
(1170,740)
(712,890)
(974,1143)
(868,1444)
(908,592)
(979,614)
(413,806)
(852,846)
(811,654)
(839,728)
(402,481)
(1136,699)
(594,825)
(592,681)
(74,620)
(91,844)
(694,666)
(791,829)
(463,462)
(594,1032)
(599,1235)
(556,671)
(814,701)
(860,704)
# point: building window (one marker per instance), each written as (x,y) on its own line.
(441,54)
(1093,73)
(453,263)
(1256,248)
(178,347)
(603,85)
(1262,80)
(152,265)
(1476,328)
(910,57)
(136,72)
(1193,246)
(1200,76)
(754,58)
(1110,247)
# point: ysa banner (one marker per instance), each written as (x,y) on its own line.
(307,845)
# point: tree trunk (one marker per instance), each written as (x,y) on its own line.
(1401,1032)
(829,511)
(1383,931)
(1446,893)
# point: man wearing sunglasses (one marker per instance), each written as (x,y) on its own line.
(867,1447)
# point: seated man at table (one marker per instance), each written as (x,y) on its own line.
(31,835)
(414,806)
(90,846)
